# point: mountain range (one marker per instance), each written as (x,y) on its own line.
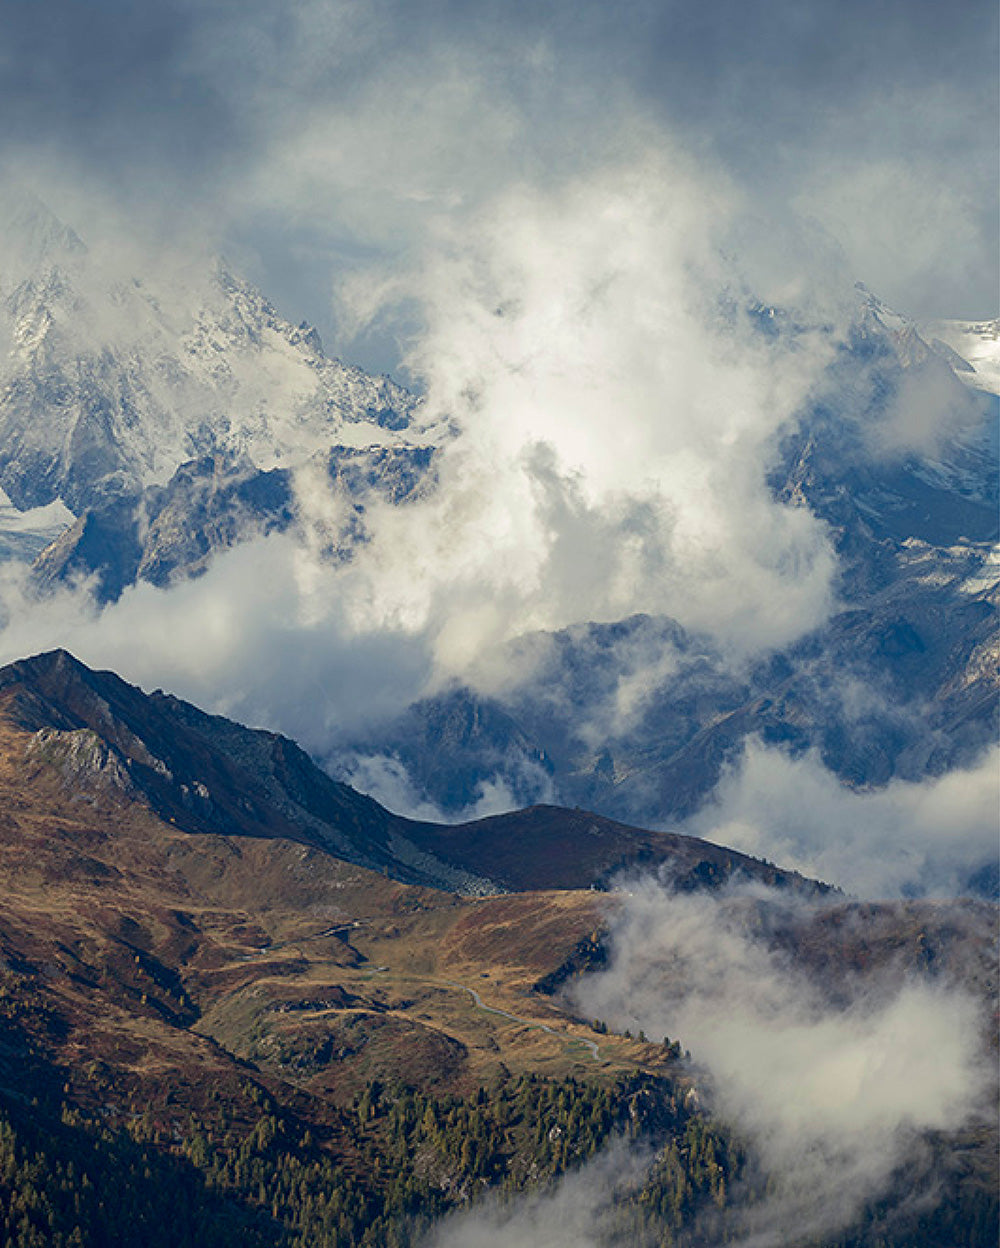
(914,627)
(148,424)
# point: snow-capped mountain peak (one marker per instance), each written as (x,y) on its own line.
(109,381)
(970,348)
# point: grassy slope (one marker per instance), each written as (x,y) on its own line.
(164,955)
(146,970)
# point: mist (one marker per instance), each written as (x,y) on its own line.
(613,419)
(907,838)
(832,1081)
(832,1090)
(576,1212)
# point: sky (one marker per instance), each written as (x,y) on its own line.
(326,138)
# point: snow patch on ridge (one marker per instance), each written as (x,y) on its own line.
(975,342)
(24,534)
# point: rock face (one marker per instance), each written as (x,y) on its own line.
(211,504)
(115,388)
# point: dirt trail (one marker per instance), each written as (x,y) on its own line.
(525,1022)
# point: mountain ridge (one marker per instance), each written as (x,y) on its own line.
(204,773)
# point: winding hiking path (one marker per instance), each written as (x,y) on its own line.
(525,1022)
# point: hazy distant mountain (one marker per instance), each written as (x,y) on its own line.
(210,504)
(914,524)
(147,405)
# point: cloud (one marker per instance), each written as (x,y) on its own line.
(259,638)
(927,836)
(402,113)
(615,423)
(384,777)
(576,1212)
(615,413)
(328,134)
(905,196)
(549,201)
(831,1085)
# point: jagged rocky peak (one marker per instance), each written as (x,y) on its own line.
(214,502)
(109,380)
(55,691)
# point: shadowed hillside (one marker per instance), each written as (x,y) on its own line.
(204,773)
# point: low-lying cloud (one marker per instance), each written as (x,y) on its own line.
(831,1084)
(831,1089)
(576,1212)
(907,837)
(616,417)
(257,638)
